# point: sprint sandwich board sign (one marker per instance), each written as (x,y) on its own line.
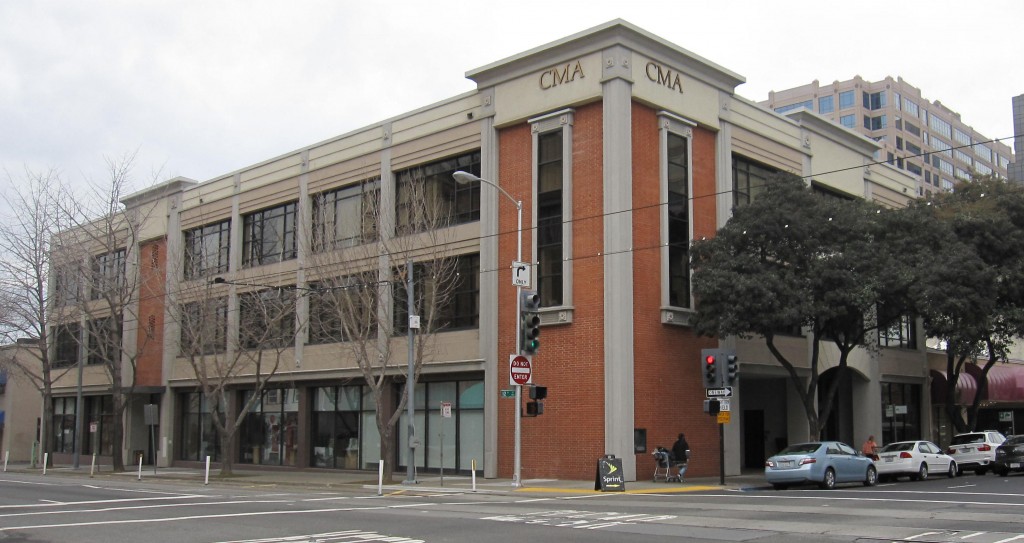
(609,477)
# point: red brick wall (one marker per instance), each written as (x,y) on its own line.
(668,390)
(568,439)
(152,272)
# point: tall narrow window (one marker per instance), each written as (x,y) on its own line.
(678,158)
(549,217)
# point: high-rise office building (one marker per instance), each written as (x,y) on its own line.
(1015,172)
(923,137)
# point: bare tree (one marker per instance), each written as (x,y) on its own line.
(25,319)
(360,263)
(101,245)
(223,360)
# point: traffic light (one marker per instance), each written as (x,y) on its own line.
(710,368)
(534,408)
(712,407)
(538,392)
(732,369)
(529,321)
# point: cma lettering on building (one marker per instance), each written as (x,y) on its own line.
(561,75)
(664,76)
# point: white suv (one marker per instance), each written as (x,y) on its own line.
(975,450)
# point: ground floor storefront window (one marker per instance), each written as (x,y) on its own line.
(96,426)
(198,436)
(901,412)
(454,441)
(270,433)
(344,428)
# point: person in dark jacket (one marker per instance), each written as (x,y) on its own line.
(681,454)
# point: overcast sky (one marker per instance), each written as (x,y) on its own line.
(202,88)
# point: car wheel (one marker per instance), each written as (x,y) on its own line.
(922,473)
(829,481)
(780,486)
(872,477)
(1002,472)
(952,470)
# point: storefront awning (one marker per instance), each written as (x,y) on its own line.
(966,388)
(1005,382)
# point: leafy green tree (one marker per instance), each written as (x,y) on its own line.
(794,259)
(972,300)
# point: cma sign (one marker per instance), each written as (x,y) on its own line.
(560,75)
(664,76)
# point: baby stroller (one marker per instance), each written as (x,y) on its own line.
(663,462)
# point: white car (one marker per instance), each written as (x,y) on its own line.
(915,459)
(975,450)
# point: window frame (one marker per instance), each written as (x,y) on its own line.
(255,229)
(200,260)
(554,287)
(672,127)
(461,201)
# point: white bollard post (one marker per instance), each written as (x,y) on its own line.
(380,478)
(474,474)
(140,467)
(206,480)
(46,460)
(7,456)
(92,469)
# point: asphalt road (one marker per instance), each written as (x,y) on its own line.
(971,509)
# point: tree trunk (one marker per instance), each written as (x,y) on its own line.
(46,429)
(226,454)
(117,432)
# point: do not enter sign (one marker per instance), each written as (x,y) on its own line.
(519,369)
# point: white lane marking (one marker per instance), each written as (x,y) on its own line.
(1014,538)
(920,535)
(836,498)
(975,534)
(136,507)
(190,517)
(97,502)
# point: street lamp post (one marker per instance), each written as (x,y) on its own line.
(463,178)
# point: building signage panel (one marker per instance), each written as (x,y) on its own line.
(722,392)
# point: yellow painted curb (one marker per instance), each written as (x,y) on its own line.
(670,489)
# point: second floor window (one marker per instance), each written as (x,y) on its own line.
(344,308)
(66,343)
(458,308)
(270,235)
(204,326)
(104,340)
(207,249)
(108,274)
(267,318)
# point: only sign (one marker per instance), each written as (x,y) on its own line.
(519,369)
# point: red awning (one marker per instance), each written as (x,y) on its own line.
(966,388)
(1005,381)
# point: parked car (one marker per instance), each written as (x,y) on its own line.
(1009,456)
(915,459)
(823,462)
(975,450)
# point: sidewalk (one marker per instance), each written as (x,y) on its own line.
(367,481)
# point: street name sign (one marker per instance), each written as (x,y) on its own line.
(721,392)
